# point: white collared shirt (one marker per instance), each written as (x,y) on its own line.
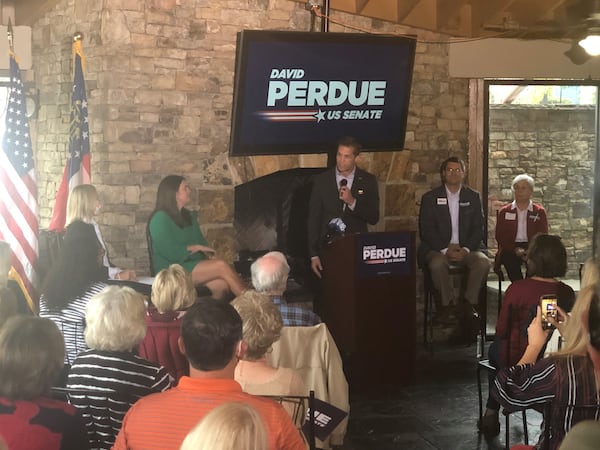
(453,207)
(522,221)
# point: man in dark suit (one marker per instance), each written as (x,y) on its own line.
(345,192)
(451,231)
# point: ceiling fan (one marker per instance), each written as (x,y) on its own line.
(577,21)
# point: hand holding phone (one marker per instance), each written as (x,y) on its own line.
(549,305)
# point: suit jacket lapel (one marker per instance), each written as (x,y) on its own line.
(335,192)
(443,194)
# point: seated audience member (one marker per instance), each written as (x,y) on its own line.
(451,232)
(231,426)
(533,384)
(269,275)
(9,306)
(76,276)
(115,325)
(517,224)
(211,339)
(176,238)
(31,358)
(9,280)
(546,260)
(83,204)
(261,328)
(172,293)
(583,436)
(575,335)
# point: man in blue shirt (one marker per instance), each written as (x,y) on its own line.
(269,275)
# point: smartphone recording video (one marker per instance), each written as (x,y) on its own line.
(548,304)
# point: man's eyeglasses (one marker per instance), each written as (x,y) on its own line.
(454,170)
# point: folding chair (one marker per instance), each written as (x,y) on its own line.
(484,364)
(429,294)
(297,407)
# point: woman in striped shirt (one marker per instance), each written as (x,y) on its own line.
(77,276)
(107,379)
(565,380)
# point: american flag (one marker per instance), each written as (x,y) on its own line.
(78,168)
(18,188)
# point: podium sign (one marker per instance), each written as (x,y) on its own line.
(383,254)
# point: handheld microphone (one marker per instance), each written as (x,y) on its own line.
(343,183)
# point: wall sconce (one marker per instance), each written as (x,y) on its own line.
(32,101)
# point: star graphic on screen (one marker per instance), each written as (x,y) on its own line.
(320,116)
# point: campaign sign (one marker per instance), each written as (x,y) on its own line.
(383,254)
(299,92)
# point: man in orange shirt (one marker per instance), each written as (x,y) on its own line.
(211,339)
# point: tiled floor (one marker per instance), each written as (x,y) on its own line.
(438,411)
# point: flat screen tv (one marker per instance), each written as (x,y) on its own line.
(299,92)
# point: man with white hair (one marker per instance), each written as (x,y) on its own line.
(269,275)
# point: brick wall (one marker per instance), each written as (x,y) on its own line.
(556,146)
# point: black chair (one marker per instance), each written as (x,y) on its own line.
(498,271)
(49,243)
(298,407)
(484,364)
(429,294)
(149,245)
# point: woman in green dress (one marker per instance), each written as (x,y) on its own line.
(176,238)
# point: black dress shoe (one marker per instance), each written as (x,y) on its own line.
(489,425)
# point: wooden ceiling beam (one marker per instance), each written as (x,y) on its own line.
(391,10)
(530,12)
(423,15)
(342,5)
(360,5)
(492,10)
(469,18)
(448,11)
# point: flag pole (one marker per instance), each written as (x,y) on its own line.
(10,36)
(78,165)
(77,48)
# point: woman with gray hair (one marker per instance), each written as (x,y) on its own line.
(517,224)
(116,324)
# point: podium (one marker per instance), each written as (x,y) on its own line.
(368,300)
